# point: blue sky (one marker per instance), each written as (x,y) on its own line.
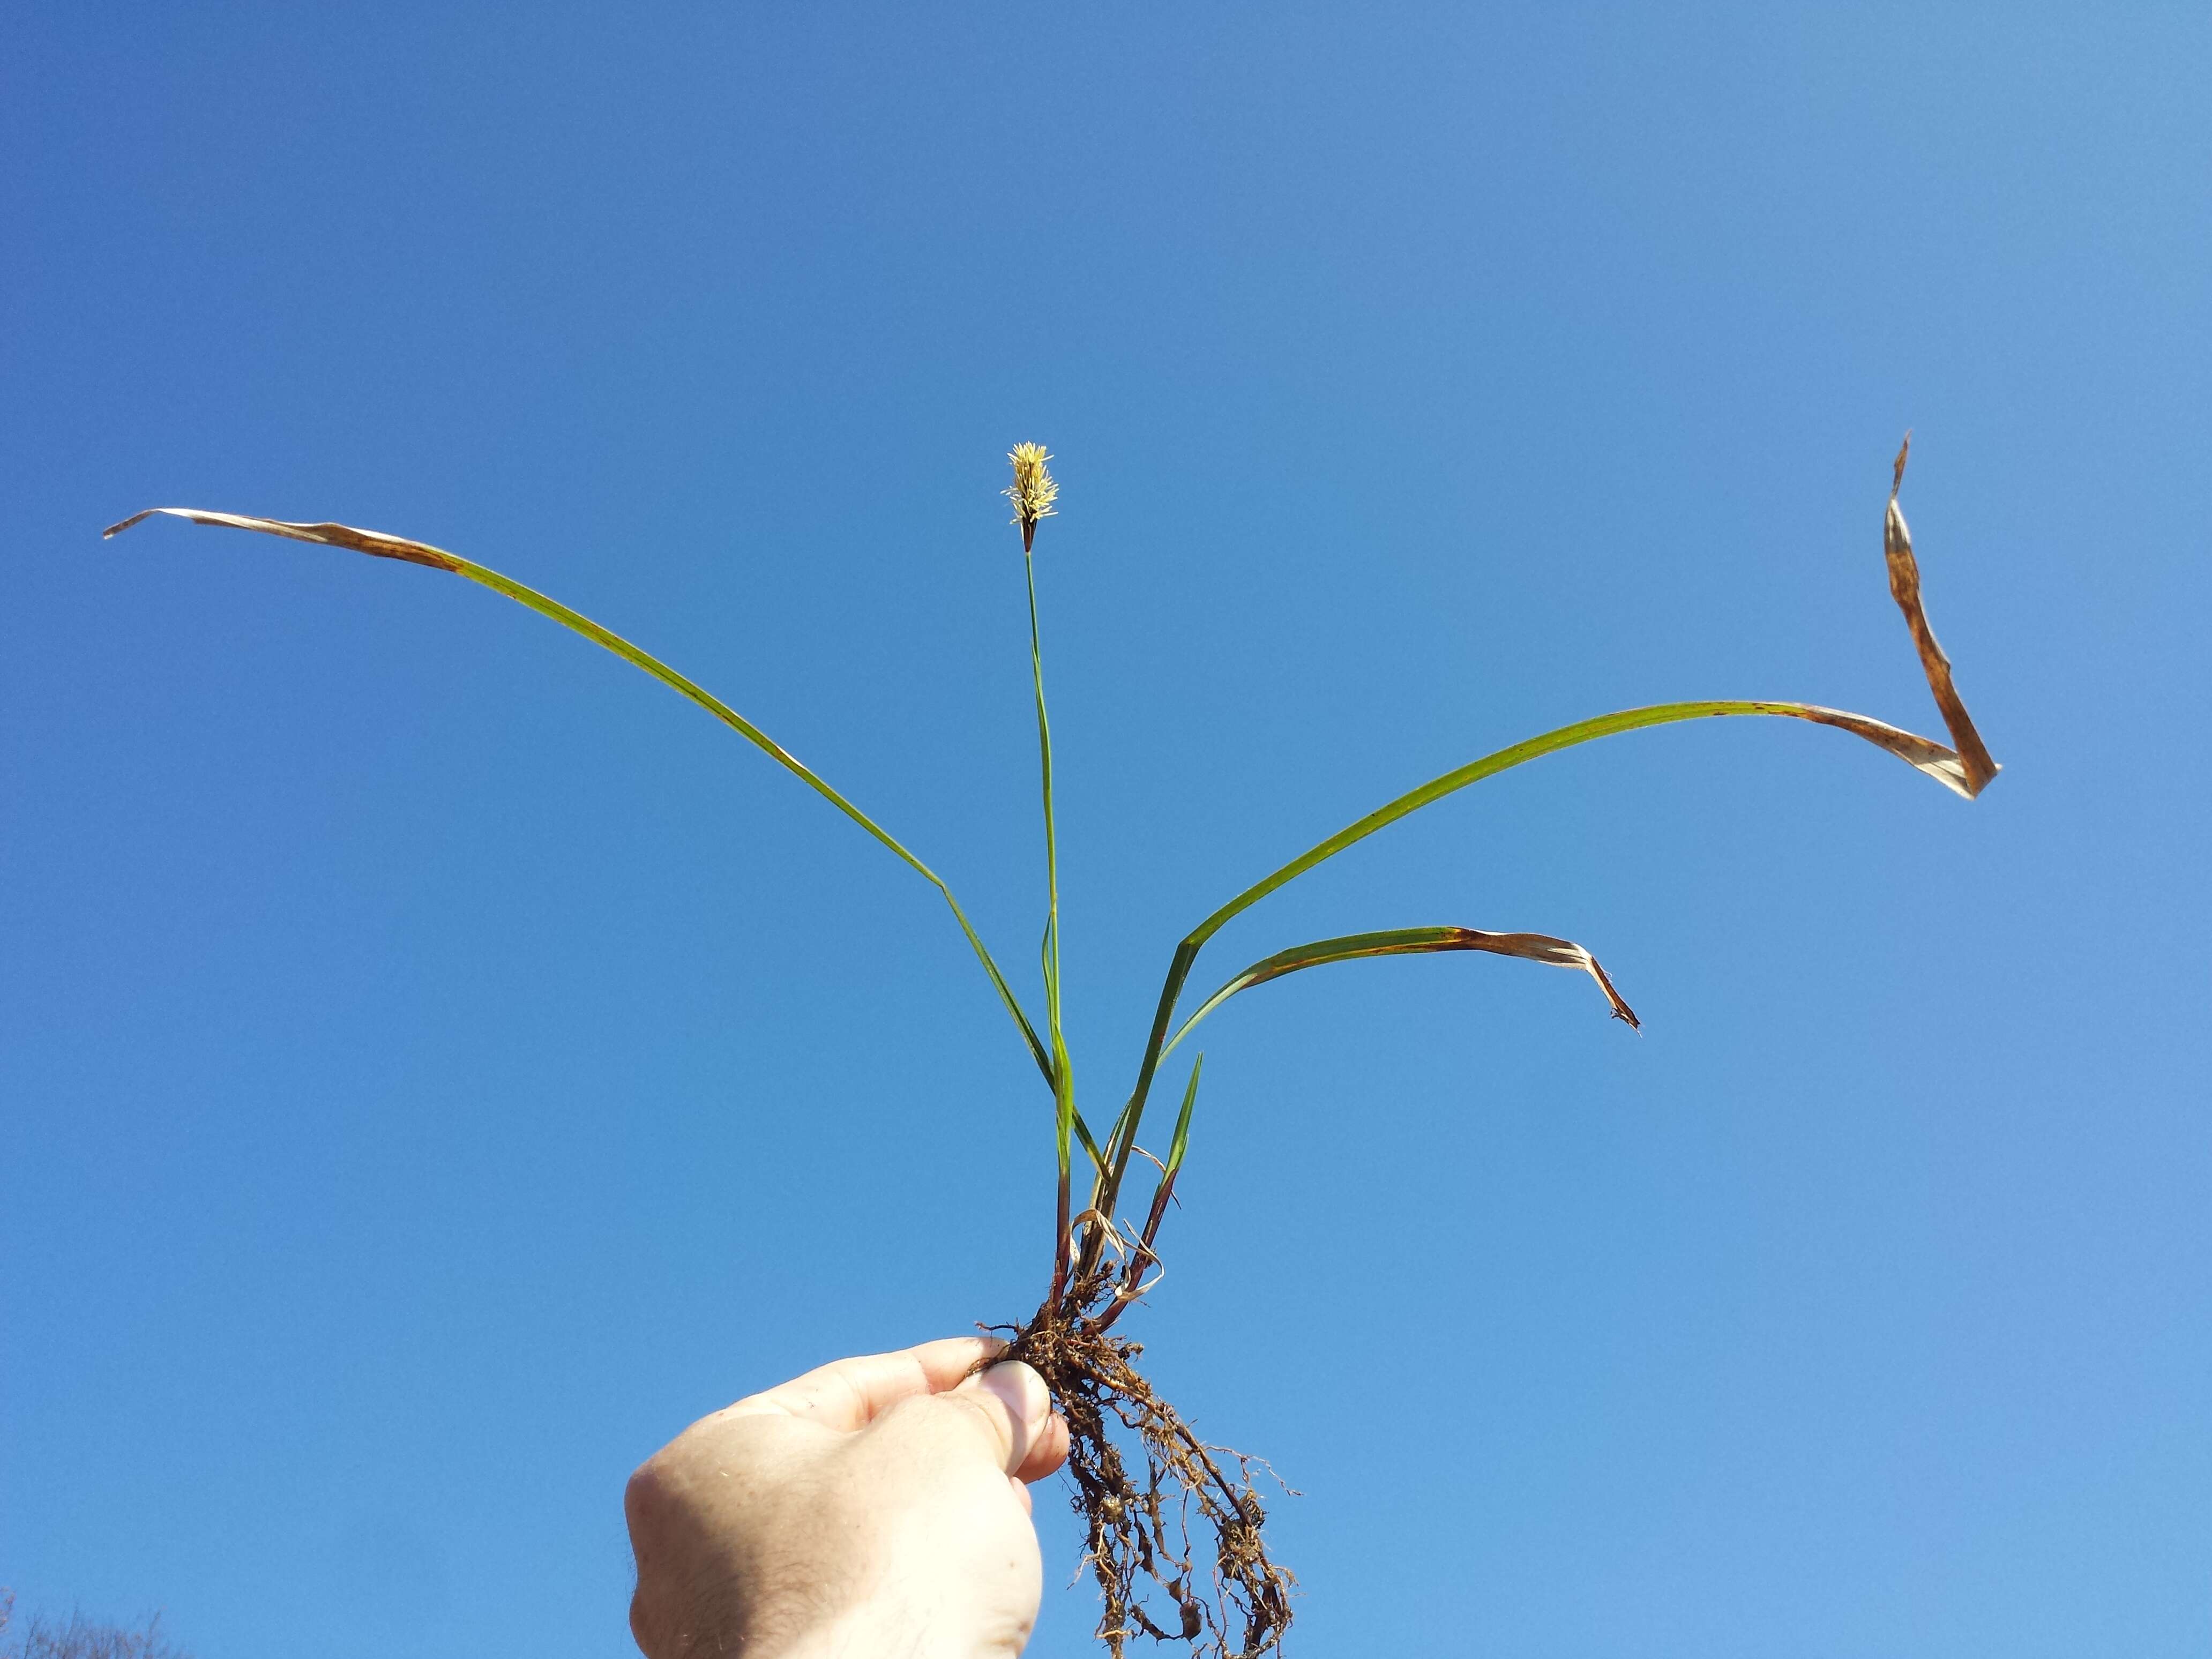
(437,1063)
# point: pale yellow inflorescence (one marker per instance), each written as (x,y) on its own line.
(1033,491)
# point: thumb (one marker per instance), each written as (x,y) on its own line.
(1014,1408)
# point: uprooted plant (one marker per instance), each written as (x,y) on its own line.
(1175,1524)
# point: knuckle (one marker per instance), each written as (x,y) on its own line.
(645,1496)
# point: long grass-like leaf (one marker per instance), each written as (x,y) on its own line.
(1920,753)
(1409,942)
(379,545)
(1966,771)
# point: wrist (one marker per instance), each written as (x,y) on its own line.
(790,1630)
(889,1625)
(861,1634)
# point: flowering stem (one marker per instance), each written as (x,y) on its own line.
(1063,1081)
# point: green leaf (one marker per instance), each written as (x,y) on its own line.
(1966,771)
(379,545)
(1144,1256)
(1409,942)
(1182,1141)
(1920,753)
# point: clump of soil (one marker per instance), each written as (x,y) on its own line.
(1139,1533)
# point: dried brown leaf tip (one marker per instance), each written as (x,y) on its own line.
(1557,953)
(1033,492)
(1974,761)
(374,543)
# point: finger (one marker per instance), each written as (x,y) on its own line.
(1013,1406)
(1021,1496)
(1047,1452)
(850,1394)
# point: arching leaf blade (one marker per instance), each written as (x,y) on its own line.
(1922,754)
(1410,942)
(377,544)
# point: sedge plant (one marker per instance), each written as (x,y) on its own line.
(1174,1525)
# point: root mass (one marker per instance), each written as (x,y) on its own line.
(1229,1602)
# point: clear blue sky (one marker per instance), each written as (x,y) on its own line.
(437,1063)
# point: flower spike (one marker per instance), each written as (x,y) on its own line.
(1033,491)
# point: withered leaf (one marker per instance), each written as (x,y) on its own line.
(1976,766)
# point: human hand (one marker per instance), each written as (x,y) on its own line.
(874,1507)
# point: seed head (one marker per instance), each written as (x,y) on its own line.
(1033,491)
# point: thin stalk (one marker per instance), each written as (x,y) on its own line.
(1062,1073)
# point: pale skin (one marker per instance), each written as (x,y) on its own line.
(876,1507)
